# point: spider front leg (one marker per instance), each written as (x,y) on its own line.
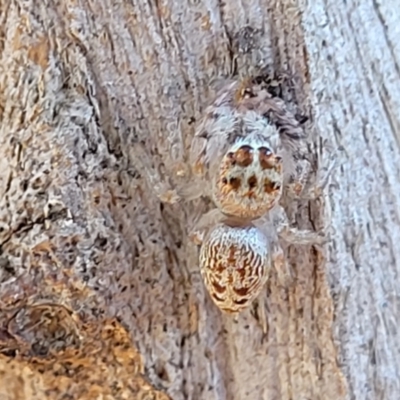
(183,192)
(283,274)
(280,264)
(296,181)
(293,235)
(188,189)
(278,256)
(299,184)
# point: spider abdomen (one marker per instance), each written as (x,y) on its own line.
(235,264)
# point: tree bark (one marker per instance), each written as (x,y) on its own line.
(100,291)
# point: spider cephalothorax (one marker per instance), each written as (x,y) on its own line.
(235,263)
(246,111)
(249,179)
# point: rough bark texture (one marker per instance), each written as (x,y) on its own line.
(95,271)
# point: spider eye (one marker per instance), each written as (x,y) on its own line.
(242,157)
(246,148)
(265,151)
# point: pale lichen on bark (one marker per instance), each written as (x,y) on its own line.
(81,229)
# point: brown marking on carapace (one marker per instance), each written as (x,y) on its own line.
(252,182)
(270,187)
(244,156)
(235,183)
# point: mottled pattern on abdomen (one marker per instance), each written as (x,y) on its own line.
(235,264)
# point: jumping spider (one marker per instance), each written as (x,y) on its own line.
(249,149)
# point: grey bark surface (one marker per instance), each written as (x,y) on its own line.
(83,83)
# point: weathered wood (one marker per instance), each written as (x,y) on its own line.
(81,85)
